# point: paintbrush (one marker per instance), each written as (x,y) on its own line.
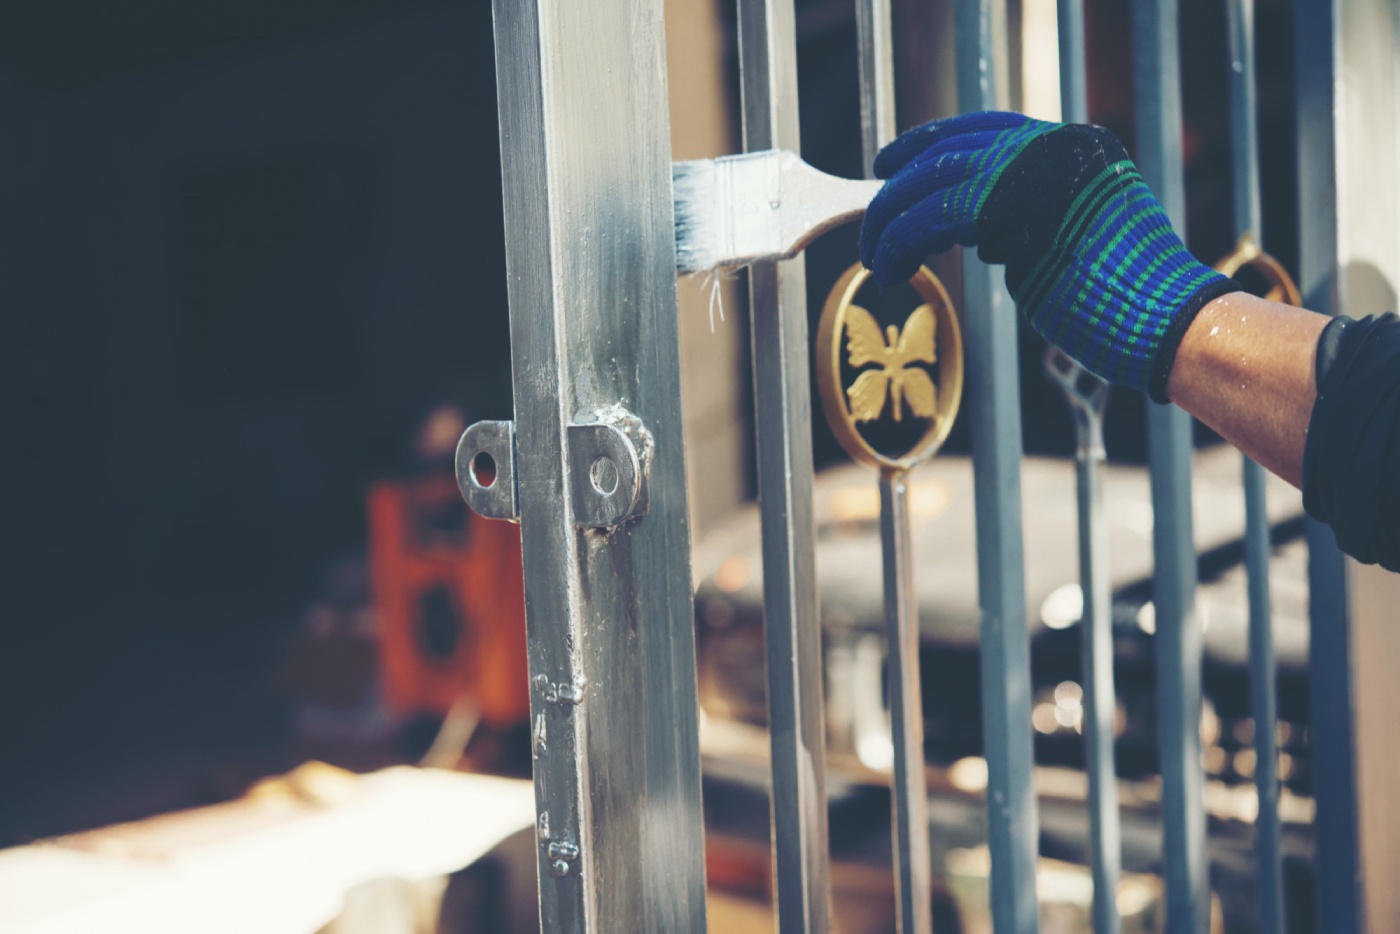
(737,210)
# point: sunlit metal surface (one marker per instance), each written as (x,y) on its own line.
(591,262)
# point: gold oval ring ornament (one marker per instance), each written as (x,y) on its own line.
(892,368)
(1247,253)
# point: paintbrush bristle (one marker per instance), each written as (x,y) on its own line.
(696,201)
(756,207)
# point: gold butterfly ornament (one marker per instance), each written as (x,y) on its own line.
(893,352)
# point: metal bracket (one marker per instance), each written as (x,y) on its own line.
(608,472)
(608,475)
(486,470)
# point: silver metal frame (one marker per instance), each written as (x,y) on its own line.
(594,336)
(593,469)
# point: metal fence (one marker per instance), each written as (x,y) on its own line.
(592,467)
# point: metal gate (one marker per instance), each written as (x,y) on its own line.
(592,468)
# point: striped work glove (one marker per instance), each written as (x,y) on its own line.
(1091,258)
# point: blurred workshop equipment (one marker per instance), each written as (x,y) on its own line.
(450,602)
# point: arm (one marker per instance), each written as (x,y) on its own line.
(1092,260)
(1245,367)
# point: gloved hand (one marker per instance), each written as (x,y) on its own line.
(1090,255)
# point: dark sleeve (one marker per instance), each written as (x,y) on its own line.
(1351,462)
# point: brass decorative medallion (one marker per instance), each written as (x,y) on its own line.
(892,368)
(1247,253)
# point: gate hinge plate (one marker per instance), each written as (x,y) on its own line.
(607,461)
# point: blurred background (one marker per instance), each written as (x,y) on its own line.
(252,288)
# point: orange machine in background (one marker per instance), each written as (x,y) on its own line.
(449,595)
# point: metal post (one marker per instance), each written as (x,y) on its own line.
(591,262)
(913,862)
(1087,395)
(1263,678)
(782,401)
(877,118)
(994,398)
(1074,93)
(1097,622)
(1331,733)
(1157,85)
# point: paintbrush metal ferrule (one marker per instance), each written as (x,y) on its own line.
(737,210)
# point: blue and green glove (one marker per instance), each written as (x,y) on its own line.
(1091,258)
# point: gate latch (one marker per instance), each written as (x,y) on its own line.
(607,461)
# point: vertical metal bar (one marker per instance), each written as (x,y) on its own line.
(1331,733)
(1331,736)
(590,255)
(1074,89)
(1244,137)
(1263,698)
(782,400)
(1263,678)
(994,403)
(877,118)
(1097,621)
(913,862)
(1157,85)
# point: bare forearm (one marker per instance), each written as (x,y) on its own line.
(1246,369)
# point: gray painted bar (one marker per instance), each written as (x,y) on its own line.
(1157,86)
(1105,841)
(1263,676)
(1331,733)
(993,393)
(783,417)
(876,48)
(913,861)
